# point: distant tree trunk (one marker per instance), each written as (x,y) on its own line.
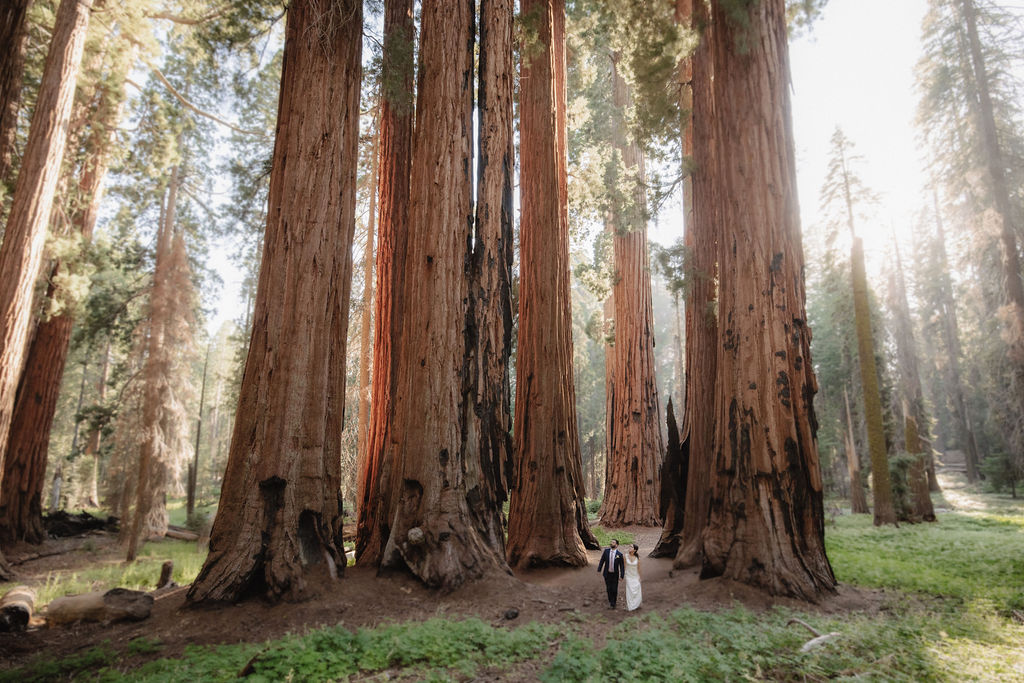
(684,16)
(193,467)
(913,396)
(766,518)
(395,150)
(22,249)
(701,238)
(151,469)
(366,318)
(13,16)
(547,515)
(921,500)
(951,338)
(635,445)
(493,244)
(1012,313)
(673,490)
(858,501)
(881,487)
(24,474)
(92,442)
(442,531)
(279,521)
(39,388)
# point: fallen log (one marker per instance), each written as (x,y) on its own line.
(181,534)
(818,639)
(16,608)
(113,605)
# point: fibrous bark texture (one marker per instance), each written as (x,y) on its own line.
(13,15)
(701,238)
(395,150)
(881,487)
(547,514)
(673,490)
(635,446)
(445,530)
(765,520)
(22,249)
(279,522)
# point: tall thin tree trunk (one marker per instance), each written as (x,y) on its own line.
(366,319)
(547,515)
(193,467)
(92,442)
(913,396)
(951,337)
(13,34)
(279,521)
(701,237)
(858,501)
(1012,312)
(373,501)
(881,487)
(635,449)
(22,249)
(150,476)
(493,243)
(766,517)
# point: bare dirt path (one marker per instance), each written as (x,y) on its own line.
(362,599)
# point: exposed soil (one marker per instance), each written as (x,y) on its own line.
(361,598)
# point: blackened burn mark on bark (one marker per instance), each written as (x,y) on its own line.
(309,537)
(272,490)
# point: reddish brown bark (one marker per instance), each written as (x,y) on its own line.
(279,520)
(766,518)
(13,15)
(395,151)
(701,238)
(920,499)
(547,514)
(151,472)
(20,501)
(673,490)
(22,248)
(635,448)
(441,532)
(491,273)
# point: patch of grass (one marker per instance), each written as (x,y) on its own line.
(45,668)
(140,575)
(437,649)
(963,556)
(177,515)
(604,536)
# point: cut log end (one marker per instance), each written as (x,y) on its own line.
(16,608)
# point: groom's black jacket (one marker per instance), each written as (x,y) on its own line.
(616,567)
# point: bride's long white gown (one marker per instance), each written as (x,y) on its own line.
(633,596)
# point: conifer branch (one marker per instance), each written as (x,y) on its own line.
(188,21)
(189,105)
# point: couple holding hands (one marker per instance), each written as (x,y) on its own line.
(614,566)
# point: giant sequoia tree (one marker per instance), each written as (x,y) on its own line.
(765,521)
(633,481)
(393,173)
(13,22)
(443,484)
(279,519)
(547,515)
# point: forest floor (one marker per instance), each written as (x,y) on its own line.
(561,598)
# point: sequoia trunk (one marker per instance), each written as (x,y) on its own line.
(22,249)
(13,16)
(442,531)
(279,522)
(634,423)
(766,518)
(395,150)
(547,514)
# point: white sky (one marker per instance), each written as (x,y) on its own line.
(855,69)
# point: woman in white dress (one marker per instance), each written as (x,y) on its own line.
(633,596)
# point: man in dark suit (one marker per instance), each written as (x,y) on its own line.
(612,568)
